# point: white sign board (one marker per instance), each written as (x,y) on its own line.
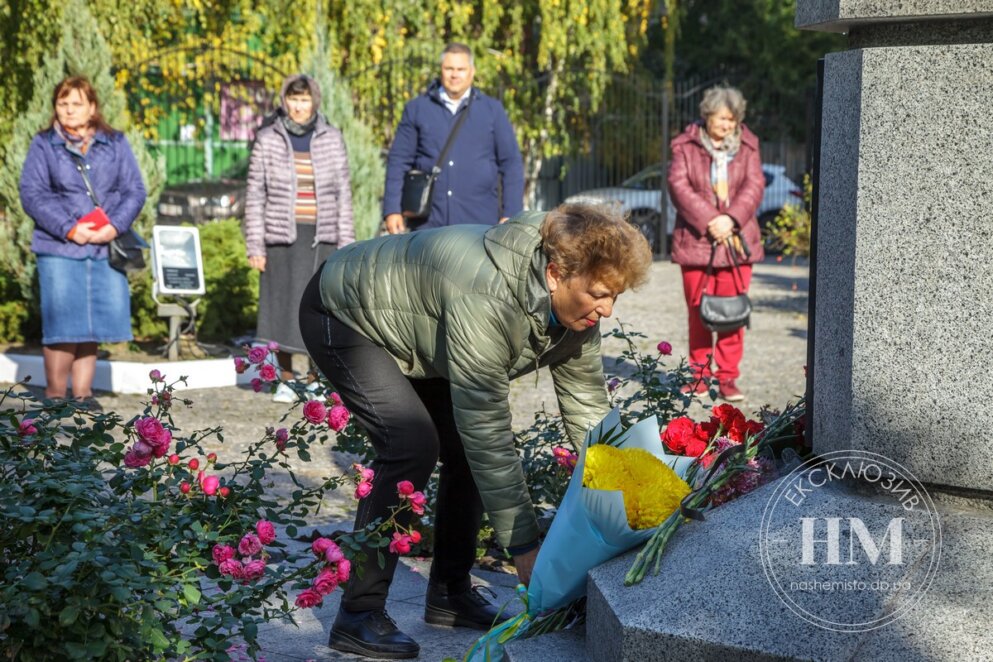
(176,259)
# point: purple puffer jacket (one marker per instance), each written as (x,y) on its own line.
(272,189)
(54,196)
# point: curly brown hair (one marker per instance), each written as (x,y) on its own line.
(596,241)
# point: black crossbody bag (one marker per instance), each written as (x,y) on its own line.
(124,252)
(418,186)
(724,313)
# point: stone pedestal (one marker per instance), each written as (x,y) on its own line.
(904,268)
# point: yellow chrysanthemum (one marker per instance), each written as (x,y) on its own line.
(652,491)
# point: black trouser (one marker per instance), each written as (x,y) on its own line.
(411,424)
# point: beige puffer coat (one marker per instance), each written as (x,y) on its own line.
(469,303)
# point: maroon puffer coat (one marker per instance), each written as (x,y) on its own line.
(693,197)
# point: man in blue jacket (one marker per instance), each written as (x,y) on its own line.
(485,147)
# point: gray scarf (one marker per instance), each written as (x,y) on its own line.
(298,129)
(720,156)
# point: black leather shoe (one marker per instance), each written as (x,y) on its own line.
(372,634)
(468,609)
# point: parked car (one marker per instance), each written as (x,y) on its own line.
(640,196)
(202,200)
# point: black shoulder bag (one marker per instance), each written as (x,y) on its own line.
(124,252)
(724,313)
(418,186)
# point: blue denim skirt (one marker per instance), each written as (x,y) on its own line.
(83,301)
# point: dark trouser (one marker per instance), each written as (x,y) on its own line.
(411,424)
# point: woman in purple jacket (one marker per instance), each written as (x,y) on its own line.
(83,300)
(298,212)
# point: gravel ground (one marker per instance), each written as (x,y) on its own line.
(772,368)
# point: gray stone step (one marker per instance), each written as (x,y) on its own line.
(565,646)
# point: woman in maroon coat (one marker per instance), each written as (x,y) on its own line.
(716,185)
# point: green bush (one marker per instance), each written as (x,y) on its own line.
(14,311)
(789,232)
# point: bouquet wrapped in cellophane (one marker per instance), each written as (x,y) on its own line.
(624,485)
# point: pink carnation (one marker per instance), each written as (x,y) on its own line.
(344,569)
(27,427)
(314,411)
(257,355)
(405,488)
(135,460)
(222,553)
(363,489)
(254,569)
(240,365)
(309,598)
(266,531)
(268,372)
(338,418)
(232,568)
(326,581)
(250,545)
(400,543)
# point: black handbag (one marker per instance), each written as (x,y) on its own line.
(724,313)
(418,186)
(124,252)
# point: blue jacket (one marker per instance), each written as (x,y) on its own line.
(485,147)
(54,196)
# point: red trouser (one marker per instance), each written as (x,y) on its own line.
(730,344)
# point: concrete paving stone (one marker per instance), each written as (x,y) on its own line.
(565,646)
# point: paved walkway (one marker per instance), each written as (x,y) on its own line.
(772,373)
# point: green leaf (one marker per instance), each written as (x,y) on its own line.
(304,455)
(69,615)
(120,594)
(32,618)
(192,593)
(34,581)
(158,639)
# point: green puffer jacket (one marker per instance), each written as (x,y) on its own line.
(469,303)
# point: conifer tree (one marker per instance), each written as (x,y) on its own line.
(365,162)
(83,51)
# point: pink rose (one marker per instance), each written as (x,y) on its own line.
(135,460)
(333,554)
(308,598)
(314,411)
(268,372)
(335,398)
(27,427)
(173,459)
(224,492)
(210,484)
(405,488)
(254,569)
(222,553)
(321,545)
(155,375)
(338,418)
(257,355)
(665,349)
(184,487)
(400,543)
(417,501)
(250,545)
(282,436)
(152,432)
(364,473)
(266,531)
(326,581)
(363,489)
(415,536)
(232,568)
(256,384)
(272,346)
(344,569)
(240,365)
(141,448)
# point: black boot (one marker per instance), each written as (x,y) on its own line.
(372,634)
(467,609)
